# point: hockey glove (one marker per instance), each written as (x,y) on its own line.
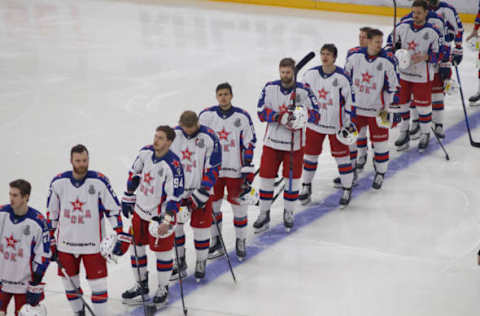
(123,242)
(200,197)
(248,173)
(457,55)
(128,203)
(445,71)
(35,293)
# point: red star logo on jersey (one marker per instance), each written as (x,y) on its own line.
(147,178)
(176,163)
(283,108)
(11,241)
(187,154)
(366,77)
(322,94)
(77,205)
(412,45)
(223,134)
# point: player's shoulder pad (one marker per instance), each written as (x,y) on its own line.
(443,4)
(210,132)
(147,147)
(63,175)
(272,83)
(174,163)
(405,17)
(431,26)
(356,50)
(37,217)
(98,175)
(212,108)
(388,55)
(341,72)
(241,111)
(5,208)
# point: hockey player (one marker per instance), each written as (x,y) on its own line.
(201,157)
(476,97)
(284,139)
(77,202)
(334,96)
(237,138)
(449,55)
(361,149)
(442,72)
(421,39)
(374,83)
(24,248)
(157,178)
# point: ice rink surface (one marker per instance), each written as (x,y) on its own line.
(106,73)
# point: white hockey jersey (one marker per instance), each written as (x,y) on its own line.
(452,20)
(374,80)
(24,248)
(275,99)
(334,98)
(419,39)
(76,210)
(201,158)
(161,183)
(236,134)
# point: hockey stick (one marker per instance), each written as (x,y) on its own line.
(180,280)
(224,248)
(441,145)
(474,144)
(76,289)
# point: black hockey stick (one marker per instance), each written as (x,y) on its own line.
(474,144)
(441,145)
(180,280)
(75,288)
(224,248)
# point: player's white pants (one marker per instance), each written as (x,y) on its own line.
(73,296)
(99,296)
(139,261)
(290,196)
(381,156)
(267,187)
(437,108)
(164,266)
(362,147)
(425,118)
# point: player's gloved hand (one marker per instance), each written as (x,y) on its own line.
(123,242)
(35,293)
(457,55)
(284,118)
(200,197)
(128,203)
(248,173)
(398,45)
(53,249)
(445,71)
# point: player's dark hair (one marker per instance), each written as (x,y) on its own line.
(374,32)
(365,29)
(420,3)
(331,48)
(168,131)
(224,85)
(22,185)
(188,119)
(287,62)
(78,149)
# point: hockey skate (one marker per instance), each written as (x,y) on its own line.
(345,199)
(288,220)
(337,182)
(377,181)
(475,99)
(161,297)
(240,249)
(216,249)
(183,269)
(414,132)
(423,144)
(403,141)
(262,223)
(439,131)
(362,160)
(200,267)
(305,196)
(133,296)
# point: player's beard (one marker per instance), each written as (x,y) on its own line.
(287,82)
(80,170)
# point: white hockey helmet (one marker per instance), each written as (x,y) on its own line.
(29,310)
(403,58)
(450,86)
(106,247)
(384,119)
(347,135)
(249,198)
(299,118)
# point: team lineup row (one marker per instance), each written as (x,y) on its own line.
(182,176)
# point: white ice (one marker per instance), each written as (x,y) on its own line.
(106,73)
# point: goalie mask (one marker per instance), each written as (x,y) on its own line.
(29,310)
(403,58)
(347,135)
